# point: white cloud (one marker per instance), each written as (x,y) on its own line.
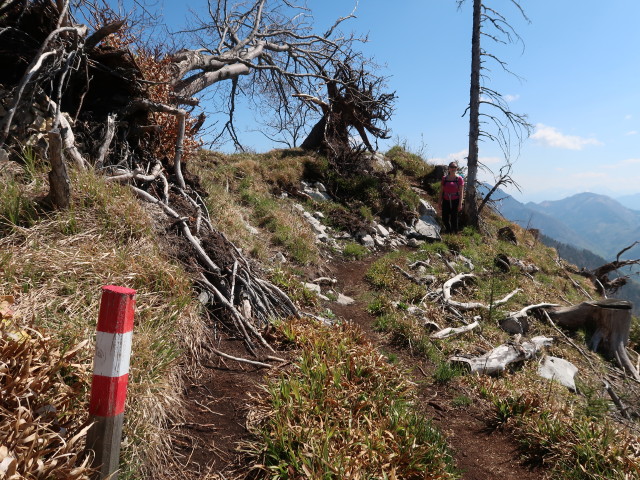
(632,132)
(511,98)
(628,117)
(459,157)
(552,137)
(630,161)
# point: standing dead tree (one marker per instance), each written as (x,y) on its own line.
(489,24)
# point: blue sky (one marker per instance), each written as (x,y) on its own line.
(579,86)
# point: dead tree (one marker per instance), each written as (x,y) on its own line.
(600,276)
(489,24)
(610,321)
(268,49)
(355,99)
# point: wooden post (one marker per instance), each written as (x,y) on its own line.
(110,377)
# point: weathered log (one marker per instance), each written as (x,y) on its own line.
(496,360)
(611,321)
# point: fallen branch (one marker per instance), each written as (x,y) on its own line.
(449,332)
(448,285)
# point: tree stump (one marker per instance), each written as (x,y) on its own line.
(59,184)
(611,321)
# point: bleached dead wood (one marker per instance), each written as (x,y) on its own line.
(517,322)
(123,176)
(106,142)
(497,360)
(68,137)
(611,320)
(448,285)
(450,331)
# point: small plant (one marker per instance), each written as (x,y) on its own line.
(355,251)
(461,401)
(445,372)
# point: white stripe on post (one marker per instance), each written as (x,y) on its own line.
(113,351)
(110,378)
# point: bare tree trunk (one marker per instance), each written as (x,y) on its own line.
(471,207)
(612,322)
(59,184)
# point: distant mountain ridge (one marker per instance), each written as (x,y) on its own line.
(630,201)
(587,220)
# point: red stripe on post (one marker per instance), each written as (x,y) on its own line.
(108,395)
(116,309)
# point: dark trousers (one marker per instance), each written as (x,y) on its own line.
(450,215)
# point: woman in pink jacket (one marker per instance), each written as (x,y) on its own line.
(451,198)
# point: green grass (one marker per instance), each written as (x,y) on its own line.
(355,251)
(344,412)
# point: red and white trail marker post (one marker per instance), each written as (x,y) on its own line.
(110,377)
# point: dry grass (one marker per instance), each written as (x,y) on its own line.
(42,423)
(55,269)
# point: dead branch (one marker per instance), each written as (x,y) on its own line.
(448,285)
(449,332)
(106,142)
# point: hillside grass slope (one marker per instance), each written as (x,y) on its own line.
(340,407)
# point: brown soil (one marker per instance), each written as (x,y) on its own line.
(218,401)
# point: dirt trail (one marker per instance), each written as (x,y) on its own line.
(480,454)
(218,403)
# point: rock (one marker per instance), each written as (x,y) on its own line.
(251,229)
(414,242)
(367,241)
(378,241)
(558,369)
(424,230)
(425,208)
(316,226)
(380,230)
(344,300)
(313,287)
(380,162)
(323,237)
(318,215)
(280,258)
(203,298)
(315,192)
(4,156)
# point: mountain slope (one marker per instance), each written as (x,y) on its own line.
(604,224)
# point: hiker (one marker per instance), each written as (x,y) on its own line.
(451,197)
